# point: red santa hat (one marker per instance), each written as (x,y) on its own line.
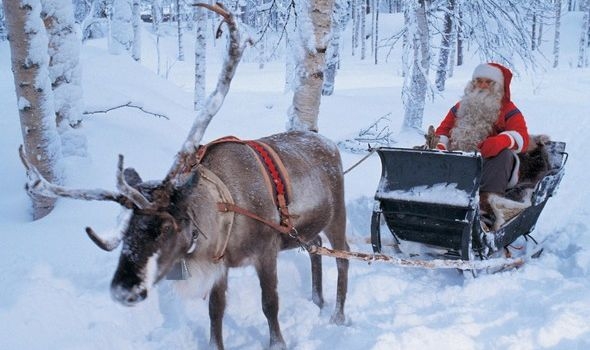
(497,73)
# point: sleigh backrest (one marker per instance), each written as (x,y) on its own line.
(549,183)
(410,174)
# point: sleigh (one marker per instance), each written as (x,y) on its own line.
(431,199)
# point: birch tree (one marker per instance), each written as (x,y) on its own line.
(376,31)
(314,22)
(416,65)
(363,28)
(355,14)
(64,63)
(156,22)
(121,30)
(556,38)
(460,34)
(200,56)
(583,48)
(30,64)
(135,25)
(445,44)
(179,15)
(339,21)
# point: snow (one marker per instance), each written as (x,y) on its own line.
(444,193)
(55,281)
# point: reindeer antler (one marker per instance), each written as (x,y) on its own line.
(215,100)
(127,195)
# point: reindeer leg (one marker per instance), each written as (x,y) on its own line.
(336,233)
(266,268)
(342,288)
(317,295)
(217,304)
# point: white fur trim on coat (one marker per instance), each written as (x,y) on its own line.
(514,176)
(444,140)
(485,70)
(517,138)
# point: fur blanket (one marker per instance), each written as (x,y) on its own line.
(534,164)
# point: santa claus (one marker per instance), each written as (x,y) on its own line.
(487,121)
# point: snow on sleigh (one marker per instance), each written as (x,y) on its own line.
(430,199)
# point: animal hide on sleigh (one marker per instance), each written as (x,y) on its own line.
(534,163)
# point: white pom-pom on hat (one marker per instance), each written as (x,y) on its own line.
(488,71)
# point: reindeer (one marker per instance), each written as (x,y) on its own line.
(214,211)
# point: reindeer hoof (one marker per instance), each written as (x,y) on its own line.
(318,300)
(338,318)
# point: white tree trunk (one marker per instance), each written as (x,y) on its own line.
(416,78)
(376,30)
(583,49)
(354,4)
(121,30)
(135,23)
(179,29)
(445,46)
(314,24)
(157,21)
(454,38)
(363,35)
(30,62)
(339,22)
(65,71)
(200,57)
(556,39)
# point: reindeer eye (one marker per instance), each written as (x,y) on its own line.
(167,228)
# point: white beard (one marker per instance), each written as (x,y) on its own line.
(476,116)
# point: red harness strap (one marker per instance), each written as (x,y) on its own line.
(272,167)
(277,173)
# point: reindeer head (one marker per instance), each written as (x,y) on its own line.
(152,240)
(154,226)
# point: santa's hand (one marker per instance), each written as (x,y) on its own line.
(493,145)
(441,146)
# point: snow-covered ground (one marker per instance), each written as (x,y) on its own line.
(54,282)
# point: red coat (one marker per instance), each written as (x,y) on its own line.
(510,121)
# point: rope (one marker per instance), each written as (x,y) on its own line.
(372,150)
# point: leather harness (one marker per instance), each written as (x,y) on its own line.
(276,178)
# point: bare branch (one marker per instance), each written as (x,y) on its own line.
(130,105)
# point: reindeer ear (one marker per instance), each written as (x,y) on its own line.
(132,177)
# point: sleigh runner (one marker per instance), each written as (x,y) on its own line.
(431,198)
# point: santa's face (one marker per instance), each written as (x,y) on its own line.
(483,88)
(483,83)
